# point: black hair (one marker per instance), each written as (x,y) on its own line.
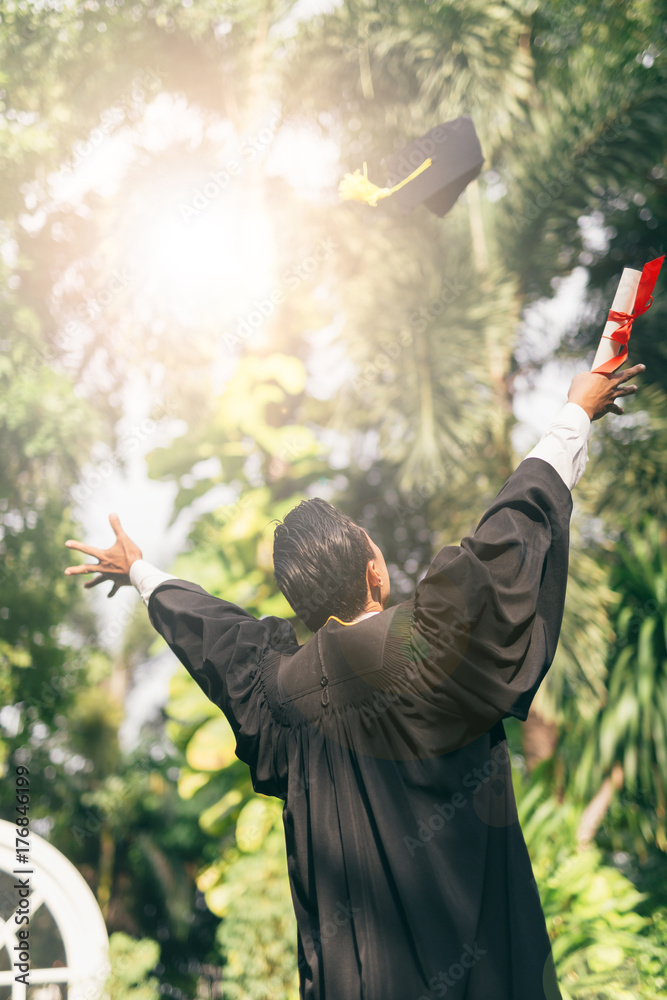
(320,557)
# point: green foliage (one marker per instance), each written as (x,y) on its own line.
(631,728)
(258,933)
(266,459)
(131,964)
(44,438)
(569,101)
(246,885)
(580,662)
(603,949)
(628,481)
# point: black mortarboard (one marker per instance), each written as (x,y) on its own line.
(433,169)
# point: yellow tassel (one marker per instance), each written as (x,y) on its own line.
(357,187)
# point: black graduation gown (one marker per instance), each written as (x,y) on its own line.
(408,870)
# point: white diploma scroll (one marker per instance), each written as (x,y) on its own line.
(624,301)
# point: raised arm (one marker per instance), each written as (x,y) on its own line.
(206,633)
(564,443)
(226,650)
(488,613)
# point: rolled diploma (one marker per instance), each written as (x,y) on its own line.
(624,301)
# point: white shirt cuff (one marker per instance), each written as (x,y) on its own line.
(146,577)
(564,444)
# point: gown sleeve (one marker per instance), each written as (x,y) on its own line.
(487,615)
(226,650)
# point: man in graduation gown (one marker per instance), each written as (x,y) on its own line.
(383,733)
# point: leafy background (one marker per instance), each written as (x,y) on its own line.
(388,379)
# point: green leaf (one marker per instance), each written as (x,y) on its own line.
(212,746)
(254,822)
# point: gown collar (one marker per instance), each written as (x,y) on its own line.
(354,621)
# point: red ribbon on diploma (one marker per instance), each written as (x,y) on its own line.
(643,301)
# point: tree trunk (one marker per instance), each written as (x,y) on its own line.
(540,738)
(597,808)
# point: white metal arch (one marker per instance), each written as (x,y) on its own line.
(57,884)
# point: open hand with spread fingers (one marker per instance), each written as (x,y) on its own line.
(114,563)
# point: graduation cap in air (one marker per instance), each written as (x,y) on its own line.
(432,170)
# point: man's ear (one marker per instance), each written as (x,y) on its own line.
(373,577)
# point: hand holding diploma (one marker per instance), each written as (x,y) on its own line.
(596,392)
(633,298)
